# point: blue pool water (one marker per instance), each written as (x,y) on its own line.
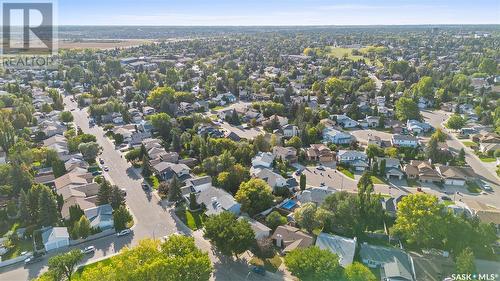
(289,205)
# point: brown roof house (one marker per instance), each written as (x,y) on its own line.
(289,238)
(320,153)
(453,175)
(76,189)
(285,153)
(421,170)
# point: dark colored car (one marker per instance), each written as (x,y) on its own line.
(259,270)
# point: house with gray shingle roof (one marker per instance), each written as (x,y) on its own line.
(343,247)
(394,263)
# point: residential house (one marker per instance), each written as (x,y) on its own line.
(345,121)
(422,170)
(314,194)
(394,264)
(285,153)
(261,231)
(489,148)
(453,175)
(45,176)
(337,137)
(283,121)
(290,131)
(76,189)
(343,247)
(417,127)
(372,121)
(263,159)
(320,153)
(374,140)
(100,216)
(356,159)
(404,141)
(217,200)
(200,183)
(59,144)
(392,167)
(75,162)
(166,170)
(273,179)
(486,138)
(289,238)
(485,213)
(54,238)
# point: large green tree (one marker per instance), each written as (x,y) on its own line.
(254,196)
(406,109)
(63,266)
(228,234)
(312,264)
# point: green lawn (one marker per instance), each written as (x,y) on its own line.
(270,264)
(154,181)
(78,274)
(21,246)
(469,143)
(488,159)
(194,220)
(339,52)
(473,187)
(412,182)
(377,180)
(346,172)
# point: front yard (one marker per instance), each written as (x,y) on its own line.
(20,246)
(270,264)
(193,219)
(346,172)
(377,180)
(473,187)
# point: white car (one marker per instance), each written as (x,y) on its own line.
(486,186)
(124,232)
(88,250)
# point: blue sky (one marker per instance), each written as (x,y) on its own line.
(277,12)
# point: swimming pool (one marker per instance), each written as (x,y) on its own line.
(289,205)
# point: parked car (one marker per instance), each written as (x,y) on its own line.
(321,168)
(259,270)
(124,232)
(145,186)
(32,260)
(486,186)
(96,173)
(101,161)
(88,250)
(445,198)
(105,168)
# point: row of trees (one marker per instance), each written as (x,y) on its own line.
(175,259)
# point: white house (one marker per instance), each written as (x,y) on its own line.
(343,247)
(290,131)
(261,231)
(337,137)
(273,179)
(263,159)
(346,121)
(100,216)
(404,141)
(55,238)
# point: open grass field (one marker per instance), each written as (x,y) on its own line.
(101,44)
(339,52)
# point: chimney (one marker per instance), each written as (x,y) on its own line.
(279,240)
